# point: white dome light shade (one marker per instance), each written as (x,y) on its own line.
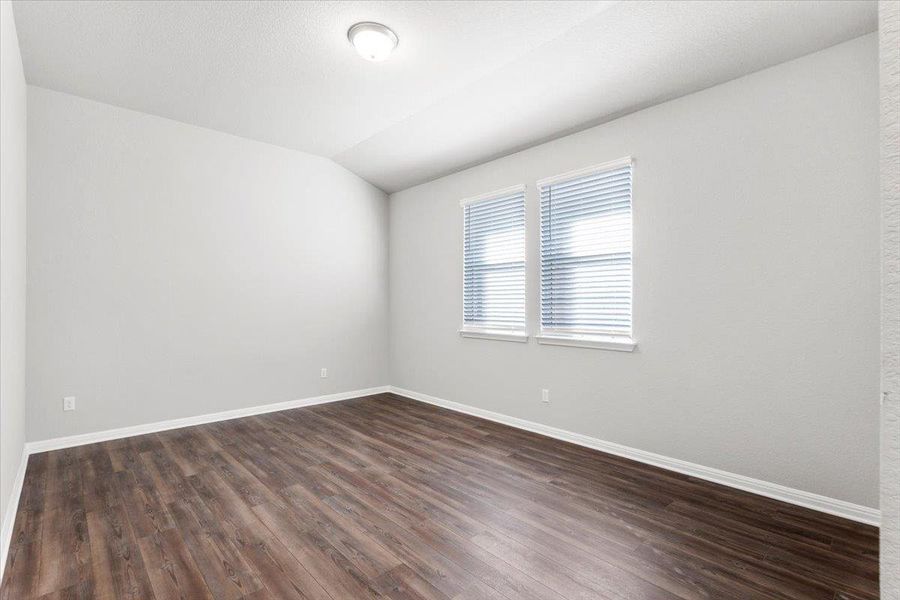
(373,41)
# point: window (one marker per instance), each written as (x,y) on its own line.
(494,265)
(586,257)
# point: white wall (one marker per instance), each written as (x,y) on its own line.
(756,282)
(176,271)
(12,265)
(889,58)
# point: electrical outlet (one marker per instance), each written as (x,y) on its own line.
(545,396)
(324,373)
(69,403)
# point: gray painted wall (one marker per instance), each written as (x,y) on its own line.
(12,258)
(756,282)
(176,271)
(889,32)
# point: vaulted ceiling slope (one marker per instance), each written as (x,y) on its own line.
(470,81)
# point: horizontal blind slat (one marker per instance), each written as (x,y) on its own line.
(586,261)
(494,263)
(599,179)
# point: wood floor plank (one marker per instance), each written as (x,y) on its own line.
(65,558)
(142,502)
(478,591)
(280,572)
(173,573)
(385,497)
(402,583)
(210,543)
(118,569)
(307,514)
(20,579)
(338,575)
(98,478)
(81,591)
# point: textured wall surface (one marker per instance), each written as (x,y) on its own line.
(176,271)
(756,278)
(889,32)
(12,257)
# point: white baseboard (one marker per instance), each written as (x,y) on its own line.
(123,432)
(9,519)
(832,506)
(824,504)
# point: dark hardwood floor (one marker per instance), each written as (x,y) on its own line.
(386,497)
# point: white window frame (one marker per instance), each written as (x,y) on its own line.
(501,334)
(582,339)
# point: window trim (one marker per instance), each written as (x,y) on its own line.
(579,338)
(606,166)
(507,191)
(620,343)
(511,334)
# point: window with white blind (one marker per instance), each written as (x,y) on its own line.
(494,265)
(586,257)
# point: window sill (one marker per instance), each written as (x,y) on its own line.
(620,344)
(487,334)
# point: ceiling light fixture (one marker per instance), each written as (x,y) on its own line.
(373,41)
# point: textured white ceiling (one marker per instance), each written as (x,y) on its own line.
(468,82)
